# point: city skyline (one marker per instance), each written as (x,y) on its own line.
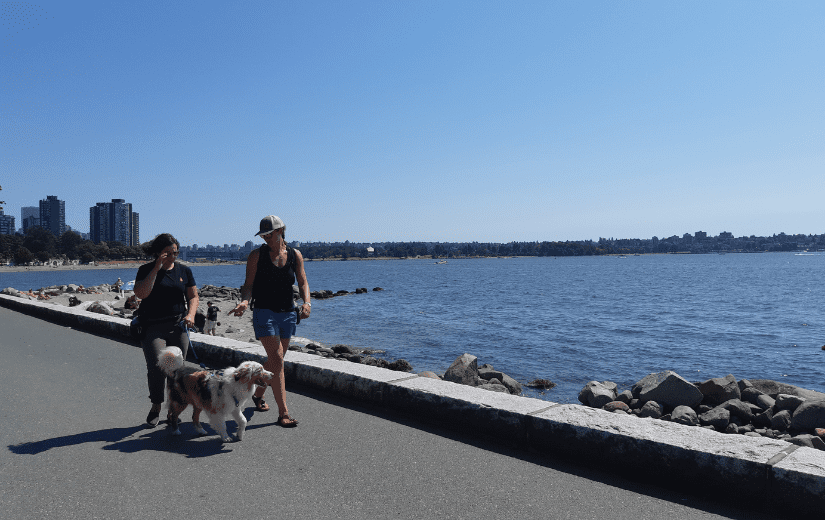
(418,121)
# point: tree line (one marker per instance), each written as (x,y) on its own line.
(347,250)
(39,244)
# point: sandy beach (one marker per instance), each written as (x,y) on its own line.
(122,264)
(237,328)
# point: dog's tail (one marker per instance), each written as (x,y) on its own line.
(170,359)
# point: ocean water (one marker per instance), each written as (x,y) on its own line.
(570,320)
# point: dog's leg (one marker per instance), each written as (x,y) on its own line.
(173,416)
(241,420)
(196,416)
(218,422)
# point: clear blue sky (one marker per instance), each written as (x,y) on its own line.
(418,120)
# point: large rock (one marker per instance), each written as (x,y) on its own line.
(774,388)
(809,415)
(788,402)
(718,417)
(464,370)
(597,394)
(781,421)
(487,372)
(719,389)
(684,415)
(651,409)
(668,389)
(738,409)
(757,397)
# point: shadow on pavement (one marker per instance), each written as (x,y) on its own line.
(129,440)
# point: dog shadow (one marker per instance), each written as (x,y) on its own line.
(130,440)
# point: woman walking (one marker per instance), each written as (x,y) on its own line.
(271,272)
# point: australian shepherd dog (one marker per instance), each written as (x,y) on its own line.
(220,393)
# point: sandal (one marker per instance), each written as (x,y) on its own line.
(286,421)
(260,404)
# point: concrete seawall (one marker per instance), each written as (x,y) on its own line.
(765,471)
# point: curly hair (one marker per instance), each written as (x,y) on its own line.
(160,243)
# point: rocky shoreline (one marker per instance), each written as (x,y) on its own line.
(756,408)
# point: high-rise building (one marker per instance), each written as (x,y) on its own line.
(53,215)
(29,216)
(114,221)
(6,224)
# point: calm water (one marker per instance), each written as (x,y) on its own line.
(570,320)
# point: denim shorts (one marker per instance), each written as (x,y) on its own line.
(271,323)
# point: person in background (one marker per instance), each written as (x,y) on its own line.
(271,272)
(169,303)
(211,319)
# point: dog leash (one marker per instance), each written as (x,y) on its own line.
(191,346)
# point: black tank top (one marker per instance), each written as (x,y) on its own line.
(272,288)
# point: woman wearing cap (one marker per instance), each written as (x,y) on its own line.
(170,300)
(271,272)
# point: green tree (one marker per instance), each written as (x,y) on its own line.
(38,239)
(69,243)
(23,256)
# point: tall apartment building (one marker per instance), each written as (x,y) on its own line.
(29,216)
(114,221)
(6,224)
(53,215)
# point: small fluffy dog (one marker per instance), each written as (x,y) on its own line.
(217,392)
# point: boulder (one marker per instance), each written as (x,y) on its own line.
(400,365)
(668,389)
(613,406)
(493,385)
(684,415)
(774,388)
(717,417)
(651,409)
(811,441)
(739,409)
(781,421)
(464,370)
(719,389)
(764,419)
(809,415)
(625,397)
(597,394)
(542,384)
(788,402)
(487,372)
(431,375)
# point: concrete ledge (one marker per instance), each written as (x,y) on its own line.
(766,471)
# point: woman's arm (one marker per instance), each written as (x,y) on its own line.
(143,288)
(303,284)
(193,301)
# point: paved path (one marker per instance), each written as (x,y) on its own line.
(74,447)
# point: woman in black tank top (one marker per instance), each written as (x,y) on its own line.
(271,272)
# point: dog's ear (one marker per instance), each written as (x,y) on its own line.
(242,373)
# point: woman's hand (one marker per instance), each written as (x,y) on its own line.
(239,309)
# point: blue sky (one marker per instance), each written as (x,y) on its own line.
(422,120)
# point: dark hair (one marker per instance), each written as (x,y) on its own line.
(160,243)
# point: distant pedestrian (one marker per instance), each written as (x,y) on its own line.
(271,272)
(169,303)
(211,319)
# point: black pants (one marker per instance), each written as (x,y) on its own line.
(159,336)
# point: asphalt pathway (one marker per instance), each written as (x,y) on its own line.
(73,446)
